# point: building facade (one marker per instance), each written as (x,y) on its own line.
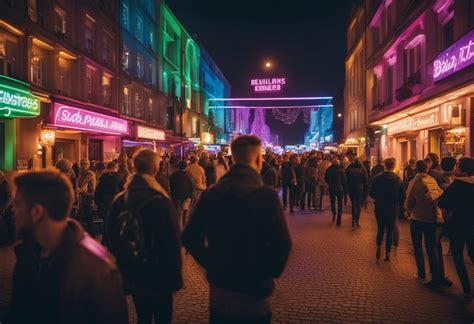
(420,77)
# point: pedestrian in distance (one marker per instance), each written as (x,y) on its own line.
(86,189)
(198,174)
(422,200)
(457,201)
(61,275)
(322,185)
(288,182)
(434,168)
(311,179)
(99,169)
(300,181)
(145,239)
(389,195)
(66,167)
(377,169)
(336,179)
(182,191)
(208,167)
(357,183)
(122,164)
(242,215)
(409,173)
(221,166)
(162,179)
(269,175)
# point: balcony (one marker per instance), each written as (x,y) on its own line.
(411,86)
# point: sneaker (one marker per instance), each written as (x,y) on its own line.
(433,284)
(446,282)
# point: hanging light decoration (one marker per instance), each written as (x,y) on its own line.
(289,116)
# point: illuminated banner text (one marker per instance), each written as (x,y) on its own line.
(268,85)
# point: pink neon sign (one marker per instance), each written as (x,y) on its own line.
(268,85)
(75,118)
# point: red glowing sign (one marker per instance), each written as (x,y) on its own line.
(268,85)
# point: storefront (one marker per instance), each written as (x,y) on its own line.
(145,137)
(80,133)
(17,103)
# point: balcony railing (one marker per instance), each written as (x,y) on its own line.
(406,91)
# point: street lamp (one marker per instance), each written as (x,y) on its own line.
(268,64)
(339,115)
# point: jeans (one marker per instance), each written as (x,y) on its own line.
(458,242)
(321,194)
(288,188)
(356,203)
(428,231)
(386,218)
(159,306)
(333,195)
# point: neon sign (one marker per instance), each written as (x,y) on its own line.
(16,100)
(150,133)
(268,85)
(75,118)
(457,57)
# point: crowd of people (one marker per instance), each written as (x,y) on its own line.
(210,204)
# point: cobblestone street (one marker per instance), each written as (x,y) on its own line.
(332,276)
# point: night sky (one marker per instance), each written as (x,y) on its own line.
(305,39)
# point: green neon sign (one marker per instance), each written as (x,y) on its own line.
(16,100)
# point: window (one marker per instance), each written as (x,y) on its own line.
(139,66)
(90,83)
(139,29)
(125,58)
(6,62)
(138,103)
(125,15)
(106,89)
(375,91)
(63,75)
(32,10)
(149,73)
(90,34)
(107,46)
(449,34)
(59,22)
(37,70)
(389,85)
(412,60)
(126,101)
(151,40)
(150,110)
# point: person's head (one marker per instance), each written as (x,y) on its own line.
(247,149)
(448,164)
(412,163)
(465,167)
(146,162)
(182,165)
(421,166)
(193,159)
(112,166)
(42,199)
(122,159)
(429,163)
(85,164)
(380,161)
(204,155)
(434,160)
(285,158)
(335,161)
(63,165)
(99,166)
(389,164)
(358,162)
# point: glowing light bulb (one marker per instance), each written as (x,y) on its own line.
(268,64)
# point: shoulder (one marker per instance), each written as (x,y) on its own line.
(95,255)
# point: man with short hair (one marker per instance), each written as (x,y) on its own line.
(389,195)
(377,169)
(154,281)
(335,177)
(62,275)
(288,181)
(238,233)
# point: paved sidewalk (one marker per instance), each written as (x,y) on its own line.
(332,276)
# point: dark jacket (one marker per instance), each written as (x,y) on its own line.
(110,184)
(163,181)
(300,173)
(238,233)
(182,185)
(269,175)
(357,178)
(78,283)
(376,170)
(209,170)
(457,200)
(288,175)
(335,177)
(408,175)
(388,192)
(160,230)
(438,176)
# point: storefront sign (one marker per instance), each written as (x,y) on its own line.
(419,121)
(16,100)
(207,138)
(75,118)
(457,57)
(150,133)
(268,85)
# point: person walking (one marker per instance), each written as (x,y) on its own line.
(99,169)
(457,201)
(242,215)
(198,174)
(208,167)
(66,167)
(311,178)
(162,179)
(269,175)
(300,181)
(409,173)
(422,199)
(389,195)
(288,182)
(61,275)
(322,185)
(357,183)
(182,190)
(336,179)
(377,169)
(154,278)
(221,166)
(86,190)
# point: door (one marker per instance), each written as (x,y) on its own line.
(96,150)
(403,154)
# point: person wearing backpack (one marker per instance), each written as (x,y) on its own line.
(144,236)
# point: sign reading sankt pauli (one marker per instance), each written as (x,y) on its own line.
(16,100)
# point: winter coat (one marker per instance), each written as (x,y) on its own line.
(288,175)
(388,192)
(110,184)
(300,173)
(408,175)
(336,179)
(79,283)
(221,169)
(238,233)
(209,170)
(438,176)
(269,175)
(182,185)
(163,181)
(357,178)
(322,168)
(457,200)
(198,174)
(376,170)
(86,184)
(422,198)
(160,226)
(311,177)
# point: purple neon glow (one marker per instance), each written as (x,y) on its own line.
(457,57)
(270,99)
(269,107)
(76,118)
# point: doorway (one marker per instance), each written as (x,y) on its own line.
(65,149)
(96,151)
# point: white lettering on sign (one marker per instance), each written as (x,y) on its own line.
(420,121)
(268,85)
(150,133)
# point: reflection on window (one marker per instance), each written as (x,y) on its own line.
(106,89)
(36,70)
(126,101)
(59,22)
(125,58)
(138,103)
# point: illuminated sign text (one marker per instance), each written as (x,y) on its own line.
(17,101)
(268,85)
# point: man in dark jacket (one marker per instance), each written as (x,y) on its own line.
(337,184)
(182,191)
(357,183)
(110,184)
(61,275)
(457,200)
(269,175)
(209,168)
(378,169)
(238,233)
(389,195)
(288,182)
(153,287)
